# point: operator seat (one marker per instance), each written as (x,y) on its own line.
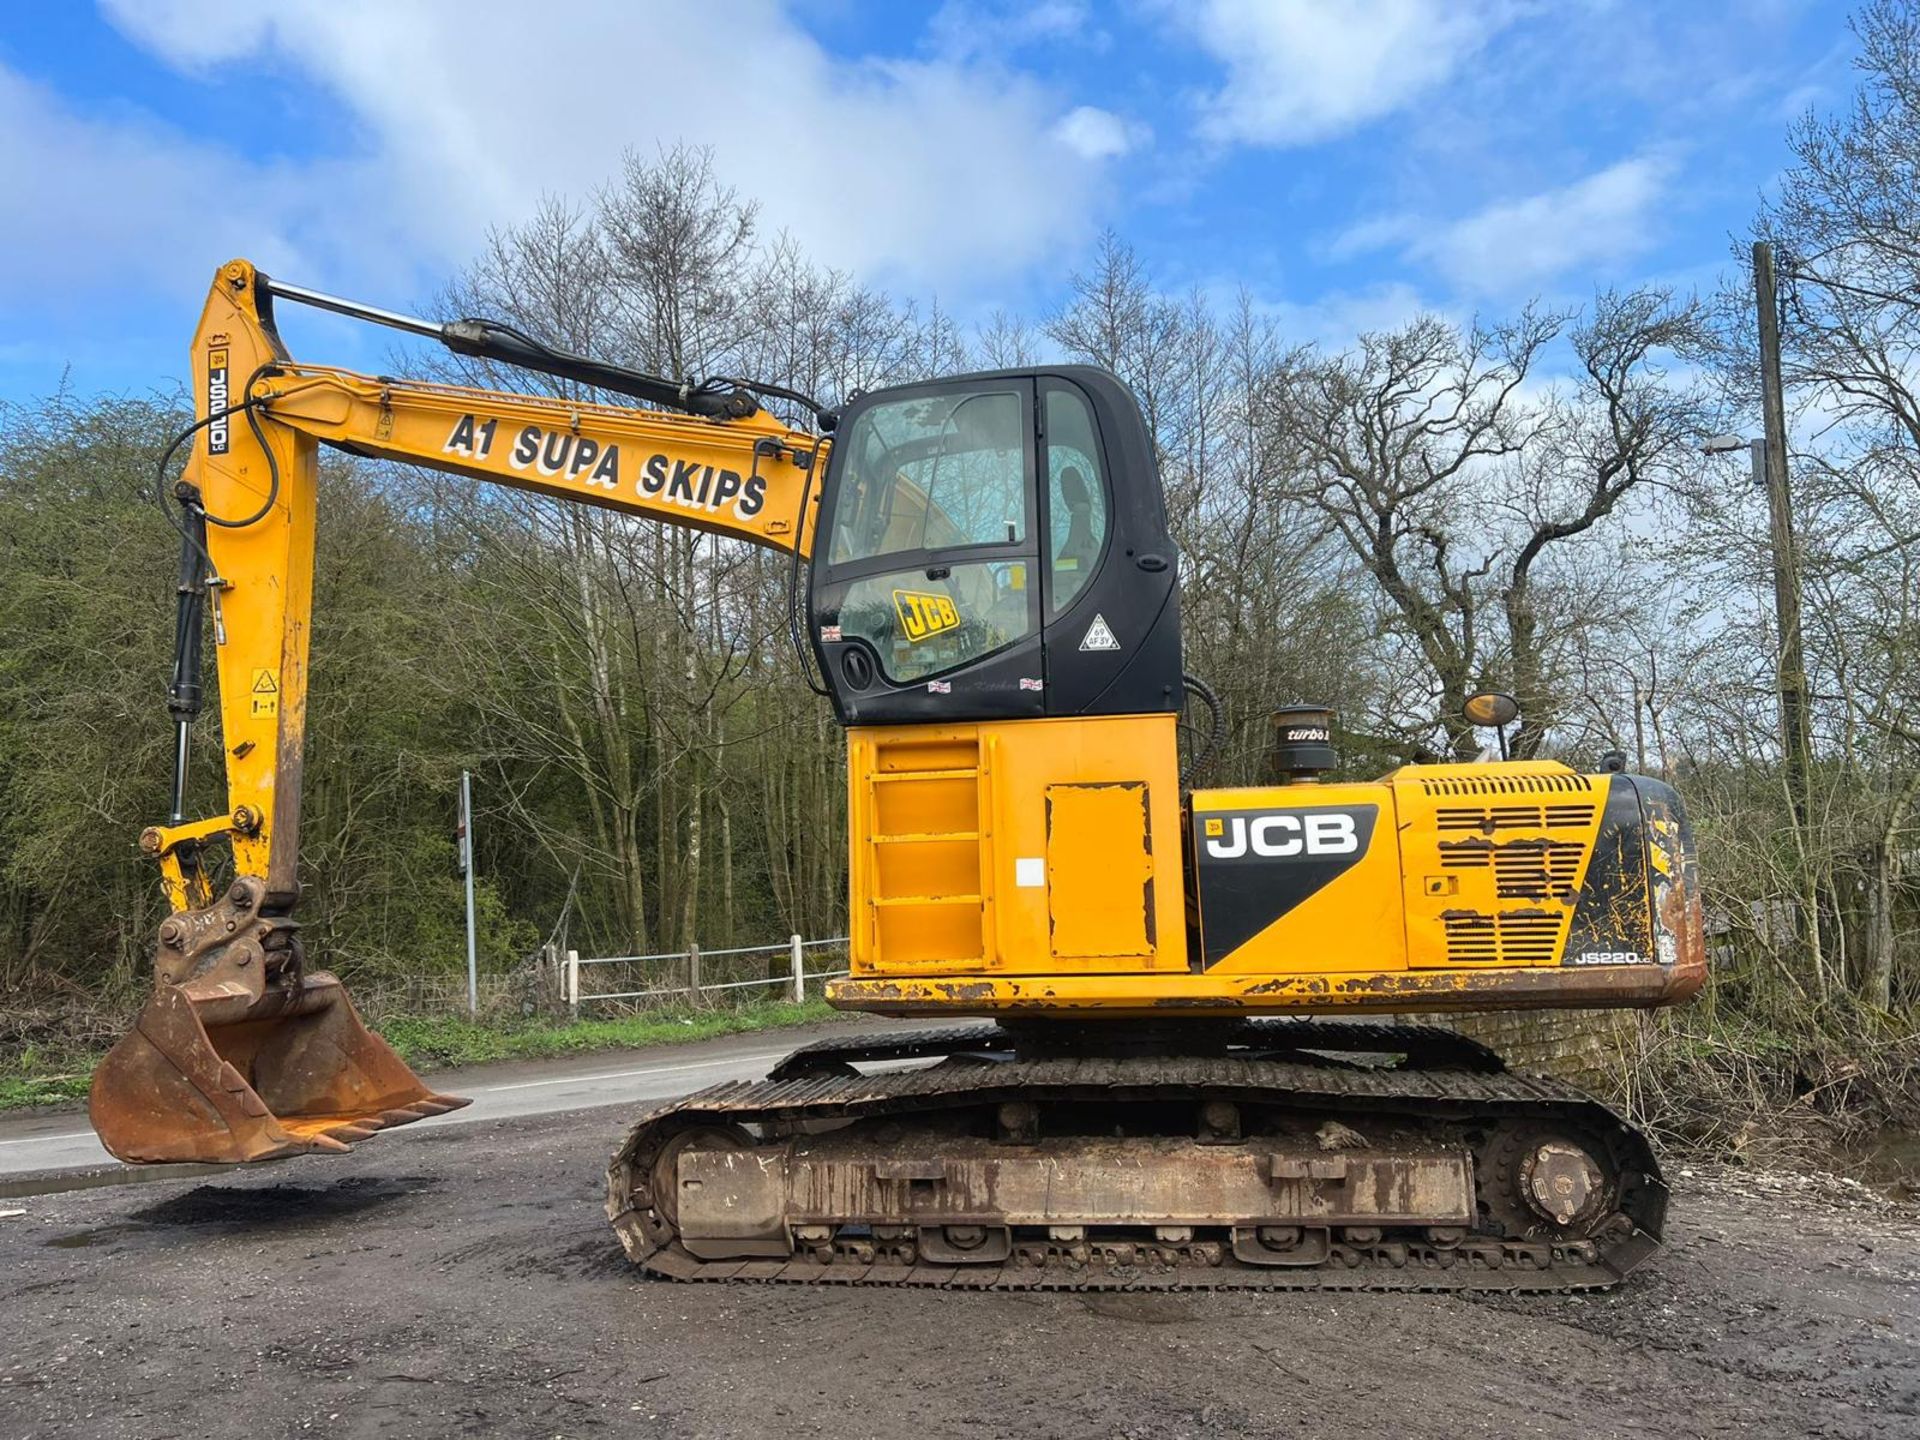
(1081,548)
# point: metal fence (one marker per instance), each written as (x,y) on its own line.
(697,974)
(500,995)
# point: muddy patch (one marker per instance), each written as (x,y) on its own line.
(272,1206)
(1889,1163)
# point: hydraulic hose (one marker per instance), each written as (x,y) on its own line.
(1202,758)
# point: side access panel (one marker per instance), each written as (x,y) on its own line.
(1015,847)
(1100,871)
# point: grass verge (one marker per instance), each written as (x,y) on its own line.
(18,1091)
(429,1042)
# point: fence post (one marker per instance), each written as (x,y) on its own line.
(573,984)
(693,973)
(799,970)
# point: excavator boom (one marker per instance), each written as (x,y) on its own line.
(242,1053)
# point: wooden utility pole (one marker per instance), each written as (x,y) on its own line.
(1791,670)
(1786,570)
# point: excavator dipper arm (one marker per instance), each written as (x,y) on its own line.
(242,1054)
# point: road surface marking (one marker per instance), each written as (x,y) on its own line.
(49,1139)
(629,1074)
(498,1089)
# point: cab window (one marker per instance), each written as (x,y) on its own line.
(932,525)
(923,624)
(932,472)
(1076,496)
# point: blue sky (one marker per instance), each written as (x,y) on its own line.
(1348,162)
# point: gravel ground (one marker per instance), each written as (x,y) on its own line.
(463,1281)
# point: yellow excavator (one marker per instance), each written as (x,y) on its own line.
(1189,1062)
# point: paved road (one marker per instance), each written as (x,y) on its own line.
(62,1141)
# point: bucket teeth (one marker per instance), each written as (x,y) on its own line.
(423,1109)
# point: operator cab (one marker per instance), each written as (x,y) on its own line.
(995,547)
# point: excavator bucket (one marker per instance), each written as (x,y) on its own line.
(217,1071)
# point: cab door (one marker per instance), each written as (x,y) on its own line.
(995,547)
(926,596)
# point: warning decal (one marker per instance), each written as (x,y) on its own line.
(266,694)
(1099,636)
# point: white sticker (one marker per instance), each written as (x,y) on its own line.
(829,633)
(939,687)
(1099,636)
(1030,872)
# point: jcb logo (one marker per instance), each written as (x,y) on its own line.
(1277,837)
(922,615)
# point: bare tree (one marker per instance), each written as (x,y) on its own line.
(1625,426)
(1393,439)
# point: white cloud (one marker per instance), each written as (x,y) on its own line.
(1097,134)
(1304,70)
(918,172)
(116,202)
(1516,245)
(966,28)
(1338,318)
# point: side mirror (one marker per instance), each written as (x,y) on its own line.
(1494,709)
(1491,707)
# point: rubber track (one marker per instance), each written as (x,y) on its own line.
(1440,1095)
(1365,1273)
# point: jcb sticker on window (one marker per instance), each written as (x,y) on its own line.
(922,615)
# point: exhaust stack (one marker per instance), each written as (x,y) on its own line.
(1302,747)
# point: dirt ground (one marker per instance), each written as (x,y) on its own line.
(463,1281)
